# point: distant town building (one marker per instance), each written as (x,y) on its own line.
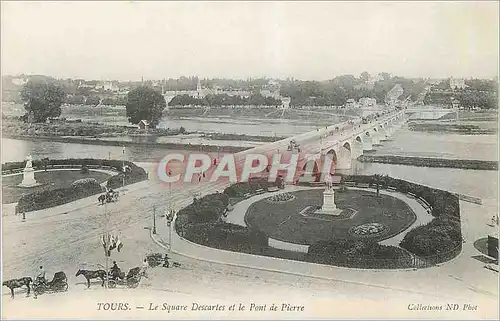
(272,89)
(111,86)
(143,124)
(351,103)
(285,102)
(19,81)
(455,103)
(367,102)
(202,92)
(373,79)
(457,83)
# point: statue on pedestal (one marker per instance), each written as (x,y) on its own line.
(29,162)
(29,174)
(329,206)
(329,182)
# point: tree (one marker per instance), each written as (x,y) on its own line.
(93,100)
(365,77)
(145,103)
(42,99)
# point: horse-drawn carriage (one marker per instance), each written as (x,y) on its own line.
(108,197)
(58,284)
(131,280)
(293,146)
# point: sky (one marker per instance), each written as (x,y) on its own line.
(128,40)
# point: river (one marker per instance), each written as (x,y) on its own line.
(483,184)
(264,122)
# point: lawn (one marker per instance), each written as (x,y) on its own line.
(49,180)
(284,221)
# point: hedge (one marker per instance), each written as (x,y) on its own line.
(227,236)
(206,209)
(254,184)
(437,240)
(358,254)
(48,198)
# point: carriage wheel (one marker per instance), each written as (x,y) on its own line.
(112,284)
(39,290)
(133,285)
(65,287)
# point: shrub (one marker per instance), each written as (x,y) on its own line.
(227,236)
(206,209)
(441,235)
(359,254)
(48,198)
(84,170)
(85,183)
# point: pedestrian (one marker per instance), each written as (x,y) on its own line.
(145,266)
(165,262)
(24,217)
(40,277)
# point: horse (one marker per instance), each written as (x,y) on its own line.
(102,199)
(99,274)
(17,283)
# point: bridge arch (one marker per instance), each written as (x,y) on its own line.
(344,156)
(310,171)
(367,141)
(333,154)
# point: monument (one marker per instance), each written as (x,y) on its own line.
(329,206)
(29,174)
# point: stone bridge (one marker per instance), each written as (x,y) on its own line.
(342,142)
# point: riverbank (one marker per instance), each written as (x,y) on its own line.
(456,128)
(12,127)
(97,141)
(430,162)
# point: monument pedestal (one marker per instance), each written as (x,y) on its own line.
(28,178)
(329,206)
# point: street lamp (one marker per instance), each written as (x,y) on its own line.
(170,220)
(154,219)
(123,167)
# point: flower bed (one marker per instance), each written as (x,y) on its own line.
(368,230)
(280,198)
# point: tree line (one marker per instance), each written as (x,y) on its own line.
(43,99)
(224,100)
(478,93)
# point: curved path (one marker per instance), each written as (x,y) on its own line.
(451,280)
(237,215)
